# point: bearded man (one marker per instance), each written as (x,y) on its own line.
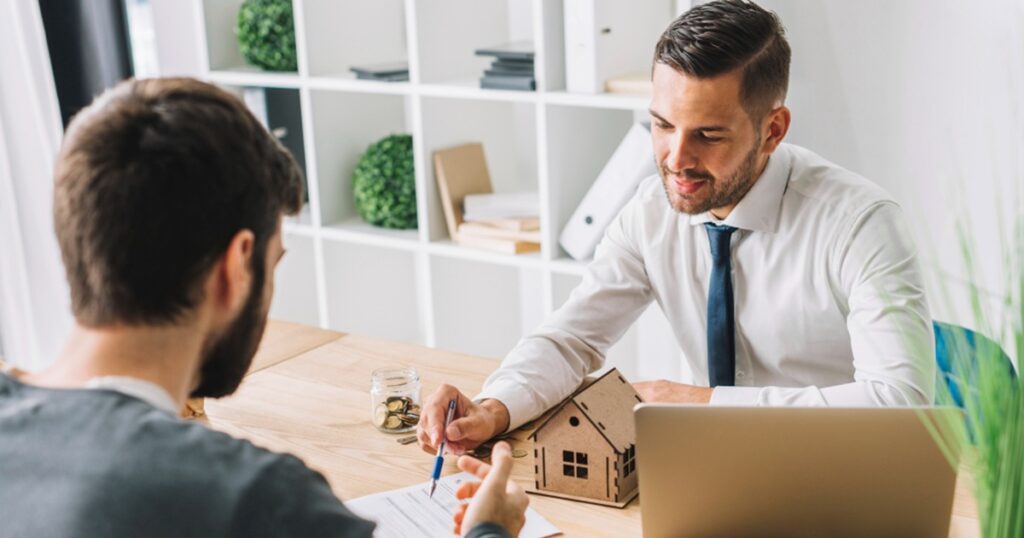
(168,203)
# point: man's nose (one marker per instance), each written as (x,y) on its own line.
(680,156)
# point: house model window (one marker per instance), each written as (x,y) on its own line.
(574,464)
(630,461)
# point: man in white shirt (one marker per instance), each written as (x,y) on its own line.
(787,280)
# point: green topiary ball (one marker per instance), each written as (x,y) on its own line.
(384,183)
(266,34)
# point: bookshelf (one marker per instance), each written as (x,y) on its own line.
(417,285)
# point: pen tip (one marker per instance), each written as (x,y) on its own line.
(433,486)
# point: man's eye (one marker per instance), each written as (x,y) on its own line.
(706,138)
(663,126)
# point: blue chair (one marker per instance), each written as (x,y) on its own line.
(948,338)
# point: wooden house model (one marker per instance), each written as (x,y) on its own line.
(586,449)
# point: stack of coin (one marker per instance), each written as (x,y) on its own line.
(396,414)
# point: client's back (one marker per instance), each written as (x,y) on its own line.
(100,463)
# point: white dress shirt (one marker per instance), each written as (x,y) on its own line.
(829,301)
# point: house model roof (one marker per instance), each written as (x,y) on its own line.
(607,402)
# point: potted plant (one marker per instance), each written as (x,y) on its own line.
(384,183)
(266,34)
(980,379)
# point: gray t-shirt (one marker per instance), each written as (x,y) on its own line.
(100,463)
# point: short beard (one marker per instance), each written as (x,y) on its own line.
(730,192)
(226,360)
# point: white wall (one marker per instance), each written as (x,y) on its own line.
(923,97)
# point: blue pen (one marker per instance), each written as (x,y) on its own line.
(439,461)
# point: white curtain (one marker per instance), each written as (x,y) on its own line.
(34,303)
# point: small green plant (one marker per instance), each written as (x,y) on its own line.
(384,183)
(266,34)
(990,433)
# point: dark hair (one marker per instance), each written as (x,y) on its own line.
(723,35)
(153,181)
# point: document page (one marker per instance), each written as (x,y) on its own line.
(410,512)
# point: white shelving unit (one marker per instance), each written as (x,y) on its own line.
(417,285)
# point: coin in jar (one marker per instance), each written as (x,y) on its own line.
(393,422)
(409,419)
(397,405)
(380,415)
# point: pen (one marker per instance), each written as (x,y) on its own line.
(439,461)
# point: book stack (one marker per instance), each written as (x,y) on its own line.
(477,217)
(505,222)
(512,67)
(385,72)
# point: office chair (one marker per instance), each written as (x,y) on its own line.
(952,339)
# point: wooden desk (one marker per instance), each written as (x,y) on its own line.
(311,398)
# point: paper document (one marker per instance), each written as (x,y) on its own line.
(410,512)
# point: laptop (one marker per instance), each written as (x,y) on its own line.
(742,471)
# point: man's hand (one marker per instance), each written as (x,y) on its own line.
(662,391)
(495,500)
(472,424)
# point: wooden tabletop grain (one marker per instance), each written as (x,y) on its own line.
(308,394)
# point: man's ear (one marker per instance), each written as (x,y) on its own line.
(774,128)
(232,276)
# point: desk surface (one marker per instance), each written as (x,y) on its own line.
(308,394)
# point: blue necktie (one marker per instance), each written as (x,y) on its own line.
(721,326)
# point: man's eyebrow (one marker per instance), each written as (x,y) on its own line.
(656,115)
(705,128)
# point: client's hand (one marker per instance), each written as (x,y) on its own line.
(472,424)
(495,500)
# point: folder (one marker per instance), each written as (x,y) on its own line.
(631,162)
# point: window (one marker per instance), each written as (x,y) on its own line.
(629,461)
(574,464)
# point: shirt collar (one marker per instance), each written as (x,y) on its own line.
(150,393)
(760,207)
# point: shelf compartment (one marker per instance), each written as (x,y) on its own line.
(449,31)
(372,291)
(344,126)
(507,131)
(222,52)
(334,26)
(481,308)
(623,41)
(295,293)
(581,140)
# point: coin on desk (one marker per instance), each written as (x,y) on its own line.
(481,452)
(519,453)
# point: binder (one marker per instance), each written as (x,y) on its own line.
(609,38)
(631,162)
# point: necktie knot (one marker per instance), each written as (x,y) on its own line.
(718,236)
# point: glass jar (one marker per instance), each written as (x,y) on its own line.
(395,399)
